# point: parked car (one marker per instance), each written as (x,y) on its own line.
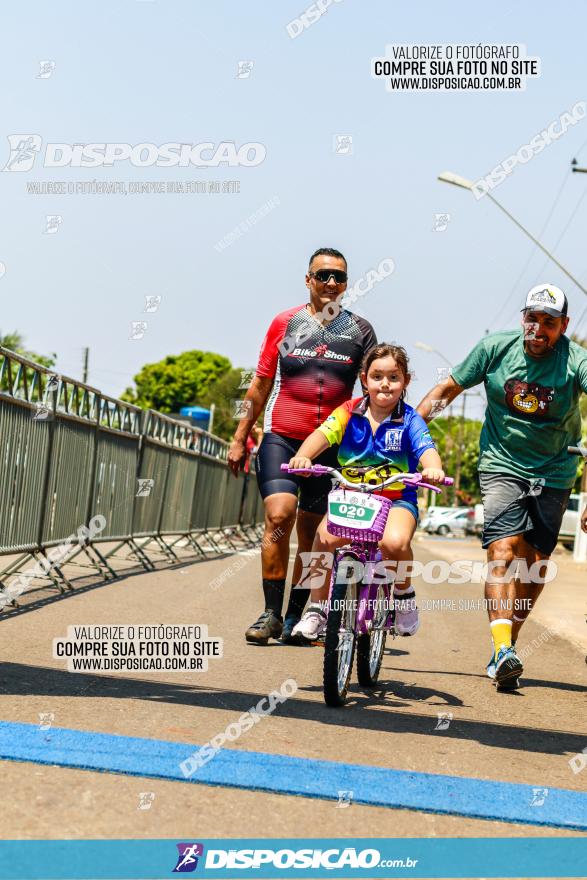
(456,520)
(478,520)
(434,515)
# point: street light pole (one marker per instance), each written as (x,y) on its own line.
(457,180)
(430,348)
(538,244)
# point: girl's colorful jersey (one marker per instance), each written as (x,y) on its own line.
(399,442)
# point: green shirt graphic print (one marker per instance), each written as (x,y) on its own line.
(532,406)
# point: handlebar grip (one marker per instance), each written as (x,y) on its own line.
(576,450)
(315,469)
(448,481)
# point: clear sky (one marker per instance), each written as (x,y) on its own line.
(149,71)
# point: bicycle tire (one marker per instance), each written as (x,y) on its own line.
(370,648)
(335,685)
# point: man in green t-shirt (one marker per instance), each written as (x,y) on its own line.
(533,380)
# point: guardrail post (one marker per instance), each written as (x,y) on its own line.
(47,471)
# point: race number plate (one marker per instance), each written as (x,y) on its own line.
(353,510)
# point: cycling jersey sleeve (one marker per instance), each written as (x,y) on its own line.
(419,434)
(472,370)
(335,425)
(369,337)
(269,354)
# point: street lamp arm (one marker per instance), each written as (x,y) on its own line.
(536,242)
(430,348)
(457,180)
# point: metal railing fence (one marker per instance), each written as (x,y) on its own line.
(69,453)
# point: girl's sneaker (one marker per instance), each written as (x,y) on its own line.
(311,626)
(407,619)
(288,626)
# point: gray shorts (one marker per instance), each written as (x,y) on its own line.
(515,506)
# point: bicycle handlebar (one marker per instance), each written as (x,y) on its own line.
(577,450)
(415,480)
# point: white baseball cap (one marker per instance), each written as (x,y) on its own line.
(547,298)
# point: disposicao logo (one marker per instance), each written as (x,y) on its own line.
(24,149)
(187,859)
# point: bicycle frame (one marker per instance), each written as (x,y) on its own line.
(361,522)
(365,551)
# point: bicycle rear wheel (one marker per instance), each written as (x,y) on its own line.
(339,648)
(370,646)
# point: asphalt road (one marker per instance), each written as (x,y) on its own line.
(525,738)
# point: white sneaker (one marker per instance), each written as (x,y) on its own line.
(311,626)
(407,619)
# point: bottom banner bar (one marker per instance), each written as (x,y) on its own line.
(296,857)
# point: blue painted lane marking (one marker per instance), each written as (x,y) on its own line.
(281,774)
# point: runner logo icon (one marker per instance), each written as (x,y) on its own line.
(187,859)
(23,151)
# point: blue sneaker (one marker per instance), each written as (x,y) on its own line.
(491,667)
(510,684)
(508,668)
(491,664)
(288,624)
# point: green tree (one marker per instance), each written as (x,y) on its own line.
(446,433)
(223,394)
(15,342)
(177,380)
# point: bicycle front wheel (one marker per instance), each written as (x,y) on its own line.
(370,646)
(339,648)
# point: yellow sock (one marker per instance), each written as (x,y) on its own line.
(501,633)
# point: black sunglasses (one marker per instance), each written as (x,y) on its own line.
(324,275)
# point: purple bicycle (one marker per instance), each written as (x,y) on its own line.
(359,609)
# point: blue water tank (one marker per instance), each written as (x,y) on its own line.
(198,415)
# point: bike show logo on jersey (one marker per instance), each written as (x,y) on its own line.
(321,352)
(528,398)
(187,860)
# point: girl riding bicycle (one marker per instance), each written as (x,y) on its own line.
(377,429)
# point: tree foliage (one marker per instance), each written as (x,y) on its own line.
(15,342)
(178,380)
(223,394)
(450,434)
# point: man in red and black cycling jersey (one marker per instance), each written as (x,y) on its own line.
(309,361)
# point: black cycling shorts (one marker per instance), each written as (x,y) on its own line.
(275,450)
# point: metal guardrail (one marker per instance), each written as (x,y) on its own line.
(69,453)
